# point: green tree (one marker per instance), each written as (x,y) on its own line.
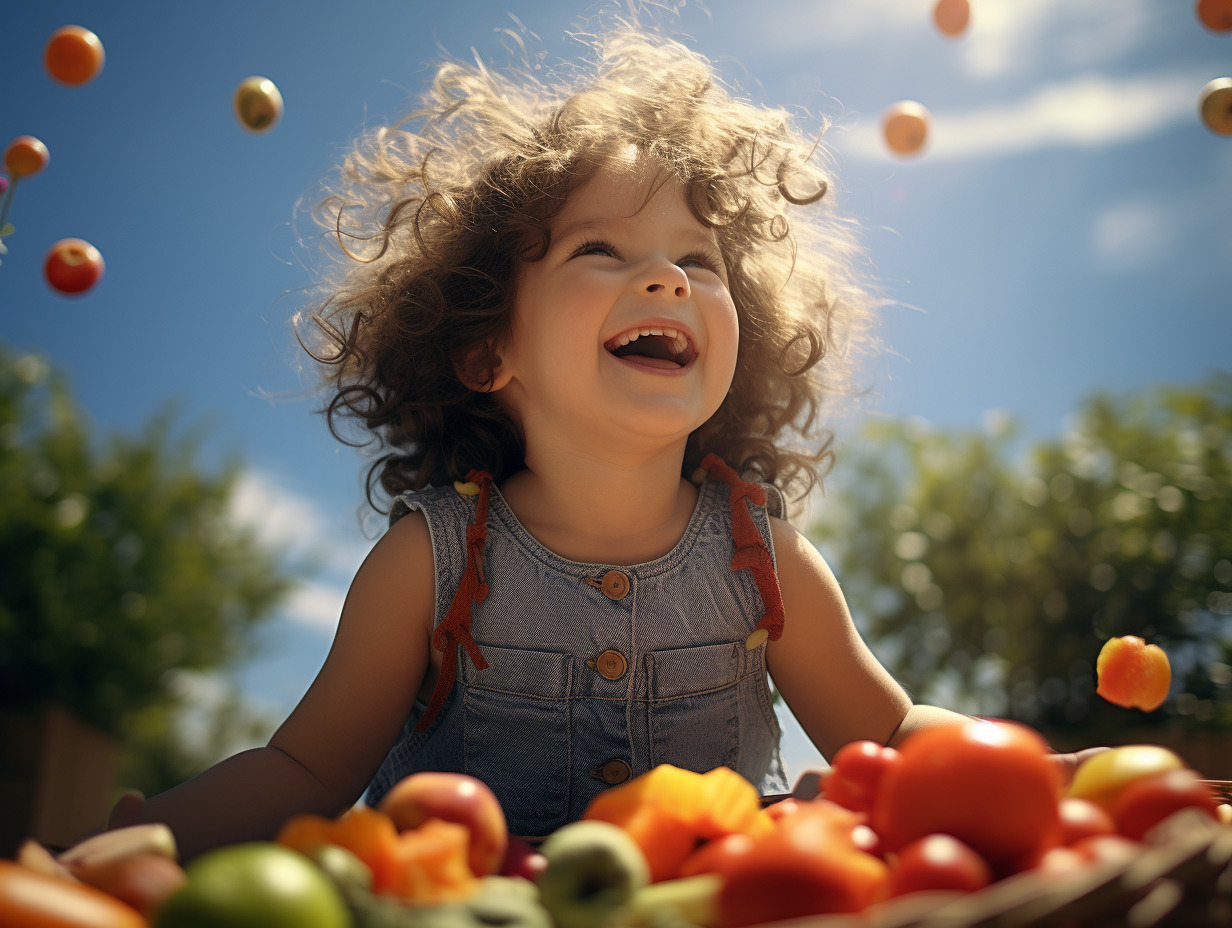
(121,567)
(988,578)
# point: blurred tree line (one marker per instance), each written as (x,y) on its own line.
(988,575)
(121,573)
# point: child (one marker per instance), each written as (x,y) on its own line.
(583,324)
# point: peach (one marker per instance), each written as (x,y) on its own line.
(1133,674)
(453,797)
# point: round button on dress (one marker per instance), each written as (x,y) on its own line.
(610,664)
(615,585)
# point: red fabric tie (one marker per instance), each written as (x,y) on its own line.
(455,628)
(751,550)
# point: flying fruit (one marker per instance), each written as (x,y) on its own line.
(951,17)
(452,797)
(72,266)
(905,127)
(1216,15)
(1215,105)
(593,869)
(258,104)
(1133,674)
(73,56)
(25,157)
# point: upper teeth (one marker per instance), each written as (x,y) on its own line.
(680,341)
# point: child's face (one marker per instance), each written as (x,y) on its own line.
(620,266)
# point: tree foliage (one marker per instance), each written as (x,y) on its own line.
(120,565)
(989,578)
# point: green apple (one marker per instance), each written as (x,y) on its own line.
(255,885)
(593,869)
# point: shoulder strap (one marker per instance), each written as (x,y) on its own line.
(751,551)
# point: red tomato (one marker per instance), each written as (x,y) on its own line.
(992,785)
(716,855)
(72,266)
(784,807)
(1149,800)
(1080,818)
(1108,848)
(807,866)
(938,862)
(857,769)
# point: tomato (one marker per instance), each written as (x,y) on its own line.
(1149,800)
(992,785)
(1133,674)
(1080,818)
(255,885)
(716,855)
(29,899)
(1102,778)
(1216,15)
(853,776)
(951,16)
(938,862)
(809,865)
(72,266)
(73,55)
(25,156)
(905,127)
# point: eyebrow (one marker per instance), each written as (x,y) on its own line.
(580,227)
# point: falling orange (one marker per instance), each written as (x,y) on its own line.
(25,157)
(905,127)
(951,16)
(1133,674)
(73,55)
(1216,15)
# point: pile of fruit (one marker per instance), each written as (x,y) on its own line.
(962,826)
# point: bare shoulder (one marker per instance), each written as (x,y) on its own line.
(829,678)
(346,722)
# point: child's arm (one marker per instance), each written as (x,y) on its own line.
(835,687)
(323,756)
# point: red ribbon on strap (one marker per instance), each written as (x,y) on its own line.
(751,551)
(455,628)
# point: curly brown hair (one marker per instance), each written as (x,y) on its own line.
(435,214)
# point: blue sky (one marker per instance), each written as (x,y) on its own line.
(1066,230)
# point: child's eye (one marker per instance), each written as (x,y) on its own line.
(705,259)
(595,247)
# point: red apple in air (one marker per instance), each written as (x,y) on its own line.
(453,797)
(73,266)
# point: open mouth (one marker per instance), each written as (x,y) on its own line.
(657,347)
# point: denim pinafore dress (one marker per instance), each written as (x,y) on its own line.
(573,677)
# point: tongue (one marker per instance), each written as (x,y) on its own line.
(658,363)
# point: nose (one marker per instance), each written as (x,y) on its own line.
(663,277)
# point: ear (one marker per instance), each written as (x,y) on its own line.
(479,368)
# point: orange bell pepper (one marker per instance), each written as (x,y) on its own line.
(668,810)
(434,863)
(368,834)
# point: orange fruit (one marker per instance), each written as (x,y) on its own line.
(73,55)
(25,156)
(1133,674)
(905,127)
(951,16)
(1216,15)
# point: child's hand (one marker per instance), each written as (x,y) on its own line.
(127,810)
(1068,763)
(809,785)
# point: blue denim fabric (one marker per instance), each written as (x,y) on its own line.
(538,722)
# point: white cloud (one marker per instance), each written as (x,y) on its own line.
(1134,235)
(297,525)
(1088,112)
(317,605)
(1015,36)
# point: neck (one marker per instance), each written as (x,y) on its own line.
(603,510)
